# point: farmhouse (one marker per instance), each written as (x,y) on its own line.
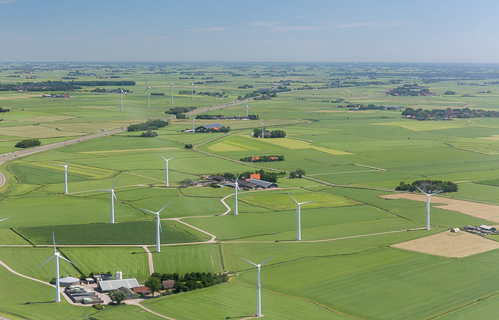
(206,127)
(105,286)
(167,284)
(142,290)
(262,184)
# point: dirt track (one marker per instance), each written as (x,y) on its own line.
(474,209)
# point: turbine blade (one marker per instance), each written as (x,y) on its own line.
(67,260)
(240,190)
(47,261)
(148,211)
(261,264)
(146,82)
(421,190)
(251,262)
(160,228)
(5,219)
(307,202)
(59,164)
(162,157)
(170,159)
(239,175)
(125,94)
(293,198)
(168,81)
(296,213)
(144,91)
(68,161)
(53,239)
(436,192)
(115,183)
(163,207)
(115,198)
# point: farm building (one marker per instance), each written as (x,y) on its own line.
(262,184)
(80,294)
(142,290)
(388,107)
(487,228)
(455,230)
(69,281)
(103,277)
(129,294)
(167,284)
(116,284)
(215,126)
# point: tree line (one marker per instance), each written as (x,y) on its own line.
(28,143)
(273,134)
(263,158)
(148,125)
(428,186)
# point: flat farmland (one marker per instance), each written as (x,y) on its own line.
(186,259)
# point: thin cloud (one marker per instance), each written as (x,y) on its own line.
(293,28)
(211,29)
(8,1)
(264,23)
(371,24)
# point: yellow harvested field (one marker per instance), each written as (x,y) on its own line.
(92,172)
(448,244)
(493,137)
(47,118)
(474,209)
(129,150)
(299,144)
(32,131)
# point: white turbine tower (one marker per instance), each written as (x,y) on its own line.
(193,131)
(298,213)
(148,94)
(121,96)
(259,287)
(192,90)
(236,187)
(113,198)
(247,110)
(428,195)
(4,219)
(57,255)
(263,128)
(171,88)
(158,226)
(65,174)
(166,168)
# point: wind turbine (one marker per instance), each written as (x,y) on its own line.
(193,131)
(158,226)
(57,255)
(263,128)
(236,187)
(4,219)
(247,109)
(259,287)
(113,197)
(171,88)
(298,212)
(166,168)
(148,94)
(428,195)
(121,96)
(65,174)
(192,90)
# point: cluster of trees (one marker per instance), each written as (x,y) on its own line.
(209,116)
(222,129)
(273,134)
(28,143)
(4,110)
(447,114)
(264,175)
(298,173)
(428,186)
(363,107)
(186,92)
(246,86)
(263,158)
(188,282)
(264,94)
(185,183)
(148,125)
(213,94)
(253,117)
(149,134)
(157,93)
(40,86)
(188,146)
(450,92)
(409,90)
(176,110)
(103,83)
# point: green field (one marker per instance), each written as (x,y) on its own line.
(343,268)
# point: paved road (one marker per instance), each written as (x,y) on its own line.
(149,259)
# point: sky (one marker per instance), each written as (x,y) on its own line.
(261,31)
